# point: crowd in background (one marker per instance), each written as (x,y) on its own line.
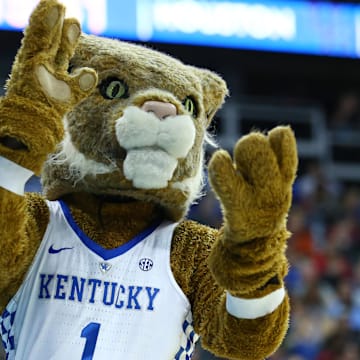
(324,274)
(323,252)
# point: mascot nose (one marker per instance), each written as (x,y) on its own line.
(159,108)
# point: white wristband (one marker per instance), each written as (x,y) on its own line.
(254,308)
(13,177)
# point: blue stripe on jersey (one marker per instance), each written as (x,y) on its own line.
(188,342)
(106,254)
(7,332)
(182,355)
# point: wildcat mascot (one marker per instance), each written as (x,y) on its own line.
(104,264)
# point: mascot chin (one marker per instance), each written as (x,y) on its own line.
(104,264)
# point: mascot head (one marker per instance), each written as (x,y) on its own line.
(142,131)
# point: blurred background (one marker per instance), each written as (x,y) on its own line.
(286,62)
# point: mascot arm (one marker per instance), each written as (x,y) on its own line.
(23,222)
(250,318)
(223,334)
(39,92)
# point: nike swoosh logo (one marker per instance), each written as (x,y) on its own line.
(56,251)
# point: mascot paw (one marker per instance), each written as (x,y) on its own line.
(255,189)
(43,60)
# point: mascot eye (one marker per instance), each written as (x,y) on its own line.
(190,106)
(113,88)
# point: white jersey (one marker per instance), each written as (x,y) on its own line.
(82,302)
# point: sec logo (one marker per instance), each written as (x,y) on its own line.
(146,264)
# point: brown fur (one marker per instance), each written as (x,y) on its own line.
(246,256)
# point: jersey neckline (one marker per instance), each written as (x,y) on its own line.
(105,254)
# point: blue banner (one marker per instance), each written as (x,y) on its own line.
(309,27)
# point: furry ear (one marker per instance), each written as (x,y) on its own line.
(214,91)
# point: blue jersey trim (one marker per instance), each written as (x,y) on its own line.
(7,331)
(106,254)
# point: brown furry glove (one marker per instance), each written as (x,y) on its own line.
(256,190)
(40,90)
(40,69)
(255,194)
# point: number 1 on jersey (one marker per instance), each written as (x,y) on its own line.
(90,332)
